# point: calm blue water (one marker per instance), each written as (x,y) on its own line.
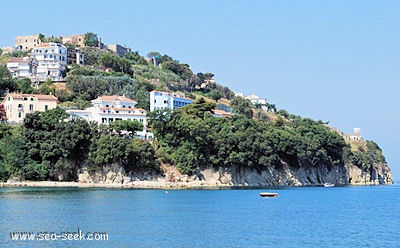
(299,217)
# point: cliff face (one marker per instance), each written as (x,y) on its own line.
(303,176)
(245,176)
(378,174)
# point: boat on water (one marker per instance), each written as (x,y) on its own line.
(268,194)
(328,185)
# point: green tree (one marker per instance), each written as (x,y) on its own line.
(4,72)
(25,86)
(242,106)
(56,143)
(12,156)
(135,58)
(41,37)
(91,55)
(126,126)
(91,39)
(182,70)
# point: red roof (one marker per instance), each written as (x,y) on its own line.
(114,98)
(37,96)
(44,45)
(14,59)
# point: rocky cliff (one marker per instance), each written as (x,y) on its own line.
(244,176)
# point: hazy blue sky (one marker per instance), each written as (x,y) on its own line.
(333,60)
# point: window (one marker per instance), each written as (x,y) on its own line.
(46,107)
(117,111)
(103,120)
(30,107)
(19,115)
(107,105)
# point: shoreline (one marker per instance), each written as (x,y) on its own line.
(151,185)
(132,185)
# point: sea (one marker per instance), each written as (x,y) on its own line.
(351,216)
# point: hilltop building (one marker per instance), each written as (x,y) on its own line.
(75,39)
(51,58)
(18,105)
(27,42)
(355,136)
(160,100)
(254,99)
(118,49)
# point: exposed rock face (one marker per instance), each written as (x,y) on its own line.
(115,175)
(378,174)
(303,176)
(246,176)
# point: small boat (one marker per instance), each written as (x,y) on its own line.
(327,185)
(268,194)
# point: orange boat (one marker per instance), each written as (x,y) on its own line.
(267,194)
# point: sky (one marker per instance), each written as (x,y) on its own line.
(335,60)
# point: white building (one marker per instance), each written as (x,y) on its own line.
(25,67)
(51,58)
(107,109)
(355,136)
(160,100)
(254,99)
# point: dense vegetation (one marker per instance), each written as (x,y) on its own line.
(52,145)
(191,137)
